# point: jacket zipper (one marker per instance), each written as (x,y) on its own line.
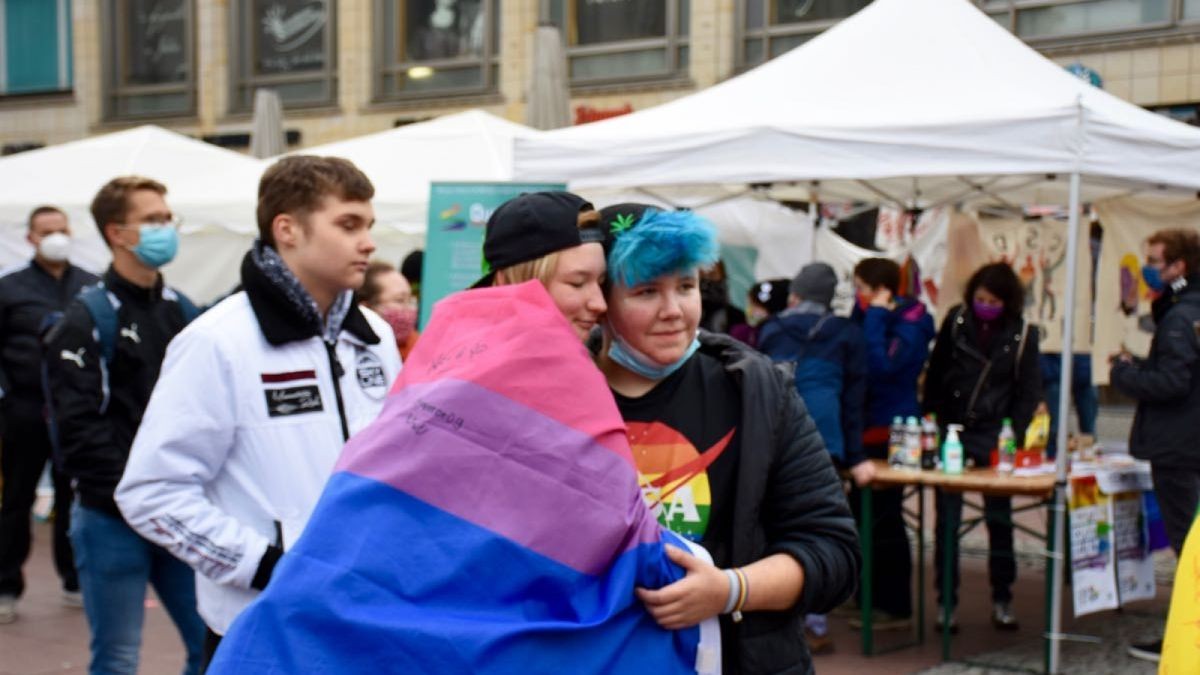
(338,371)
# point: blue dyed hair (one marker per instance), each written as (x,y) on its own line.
(661,243)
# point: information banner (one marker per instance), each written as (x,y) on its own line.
(458,213)
(1093,563)
(1135,566)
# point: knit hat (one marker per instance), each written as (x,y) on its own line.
(816,282)
(532,226)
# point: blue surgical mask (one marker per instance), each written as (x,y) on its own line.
(624,355)
(157,244)
(1153,278)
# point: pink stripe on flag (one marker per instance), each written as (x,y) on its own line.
(515,342)
(503,466)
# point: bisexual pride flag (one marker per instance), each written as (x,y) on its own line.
(489,521)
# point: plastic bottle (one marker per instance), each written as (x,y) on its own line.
(952,451)
(896,442)
(929,442)
(1006,447)
(912,443)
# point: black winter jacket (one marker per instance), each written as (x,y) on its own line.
(98,407)
(789,499)
(978,389)
(27,296)
(1167,383)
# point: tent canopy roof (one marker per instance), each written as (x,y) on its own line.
(198,175)
(904,88)
(401,162)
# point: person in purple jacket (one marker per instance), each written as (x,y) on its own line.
(898,331)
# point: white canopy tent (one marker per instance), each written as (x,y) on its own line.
(913,103)
(402,162)
(477,146)
(212,189)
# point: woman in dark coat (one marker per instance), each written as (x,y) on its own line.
(984,368)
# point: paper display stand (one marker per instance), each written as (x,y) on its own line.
(1111,563)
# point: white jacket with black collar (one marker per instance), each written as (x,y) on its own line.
(247,419)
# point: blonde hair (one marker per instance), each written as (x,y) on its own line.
(542,268)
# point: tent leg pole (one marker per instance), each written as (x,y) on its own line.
(1064,408)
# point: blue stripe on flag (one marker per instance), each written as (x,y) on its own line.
(381,582)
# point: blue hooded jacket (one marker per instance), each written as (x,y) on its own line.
(831,373)
(897,349)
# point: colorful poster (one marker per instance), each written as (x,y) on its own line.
(1123,318)
(1092,557)
(1135,566)
(458,213)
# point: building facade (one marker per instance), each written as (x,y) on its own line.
(343,68)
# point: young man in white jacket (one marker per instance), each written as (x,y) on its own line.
(259,394)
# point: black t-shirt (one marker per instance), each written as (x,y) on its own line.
(685,440)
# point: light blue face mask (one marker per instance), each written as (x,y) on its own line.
(634,361)
(157,244)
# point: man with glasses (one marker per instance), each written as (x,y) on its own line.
(103,359)
(1166,386)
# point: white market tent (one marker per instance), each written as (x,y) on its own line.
(477,146)
(402,162)
(215,190)
(211,188)
(913,103)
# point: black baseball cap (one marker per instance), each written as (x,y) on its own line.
(617,218)
(533,225)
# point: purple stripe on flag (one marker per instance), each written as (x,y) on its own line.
(503,466)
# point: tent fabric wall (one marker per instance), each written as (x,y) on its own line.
(1123,318)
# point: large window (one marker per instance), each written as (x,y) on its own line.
(772,27)
(436,47)
(150,58)
(623,40)
(1050,19)
(287,46)
(35,46)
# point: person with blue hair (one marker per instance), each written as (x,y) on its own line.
(726,452)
